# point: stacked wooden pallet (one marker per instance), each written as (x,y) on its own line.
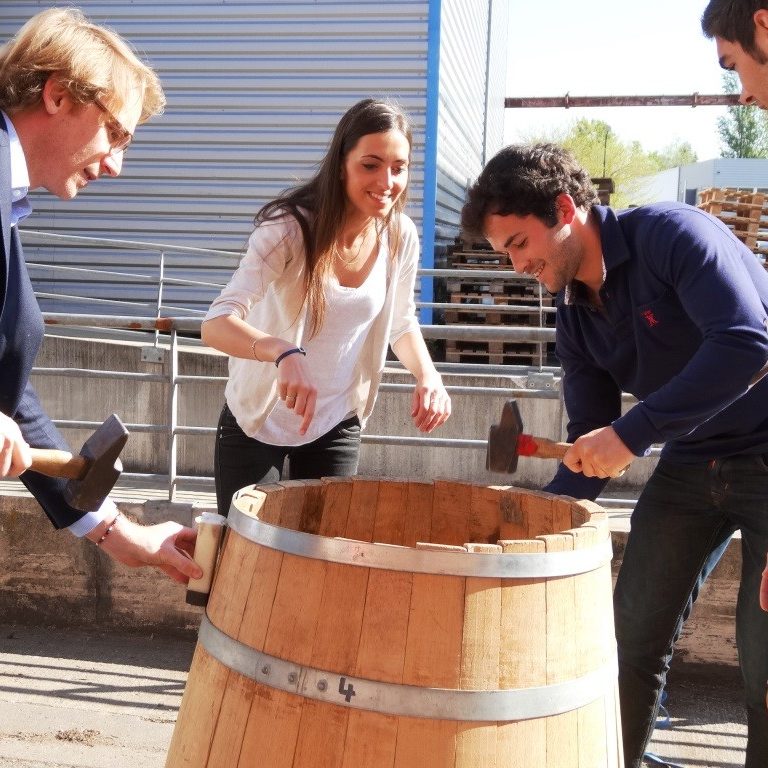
(493,301)
(744,212)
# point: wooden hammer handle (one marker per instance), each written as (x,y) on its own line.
(549,449)
(53,463)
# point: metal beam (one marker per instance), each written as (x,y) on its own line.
(568,101)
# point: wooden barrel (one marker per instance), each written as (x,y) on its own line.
(368,623)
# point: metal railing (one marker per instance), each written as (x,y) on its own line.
(161,278)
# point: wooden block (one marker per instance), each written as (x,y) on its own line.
(561,514)
(562,730)
(485,513)
(296,609)
(321,735)
(362,509)
(198,713)
(312,506)
(523,650)
(372,738)
(273,724)
(481,640)
(292,503)
(435,631)
(432,659)
(337,495)
(418,521)
(450,512)
(227,740)
(523,659)
(593,650)
(423,743)
(538,513)
(226,605)
(514,523)
(259,591)
(391,512)
(271,508)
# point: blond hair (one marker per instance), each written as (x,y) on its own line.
(92,62)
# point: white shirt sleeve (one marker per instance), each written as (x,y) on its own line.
(404,318)
(269,250)
(90,520)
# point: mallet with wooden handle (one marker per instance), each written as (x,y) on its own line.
(93,473)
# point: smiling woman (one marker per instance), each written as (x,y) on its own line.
(326,285)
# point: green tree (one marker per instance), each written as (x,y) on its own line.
(678,153)
(597,147)
(743,131)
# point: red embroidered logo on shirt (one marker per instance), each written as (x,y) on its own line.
(650,318)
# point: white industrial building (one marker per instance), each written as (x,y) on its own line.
(685,182)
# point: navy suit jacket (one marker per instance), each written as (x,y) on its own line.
(21,333)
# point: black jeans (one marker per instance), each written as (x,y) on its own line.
(680,527)
(241,460)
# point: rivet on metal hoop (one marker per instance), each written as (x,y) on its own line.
(322,685)
(293,677)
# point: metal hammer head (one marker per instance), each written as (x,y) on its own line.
(502,453)
(102,451)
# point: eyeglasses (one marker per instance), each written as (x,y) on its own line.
(119,136)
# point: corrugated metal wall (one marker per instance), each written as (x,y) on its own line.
(254,91)
(473,64)
(460,137)
(496,83)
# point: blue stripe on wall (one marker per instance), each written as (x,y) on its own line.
(430,156)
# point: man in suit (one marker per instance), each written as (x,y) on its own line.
(71,96)
(740,30)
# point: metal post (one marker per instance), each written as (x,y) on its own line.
(173,397)
(160,291)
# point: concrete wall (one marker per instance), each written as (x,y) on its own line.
(50,578)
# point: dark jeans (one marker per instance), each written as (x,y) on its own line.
(240,460)
(680,528)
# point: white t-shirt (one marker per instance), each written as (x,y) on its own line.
(267,291)
(332,356)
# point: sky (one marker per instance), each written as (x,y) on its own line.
(614,48)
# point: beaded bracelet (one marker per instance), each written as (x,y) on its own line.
(109,528)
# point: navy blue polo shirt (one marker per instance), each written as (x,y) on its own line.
(683,327)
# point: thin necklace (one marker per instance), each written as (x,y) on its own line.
(337,253)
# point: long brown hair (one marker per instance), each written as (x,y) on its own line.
(324,197)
